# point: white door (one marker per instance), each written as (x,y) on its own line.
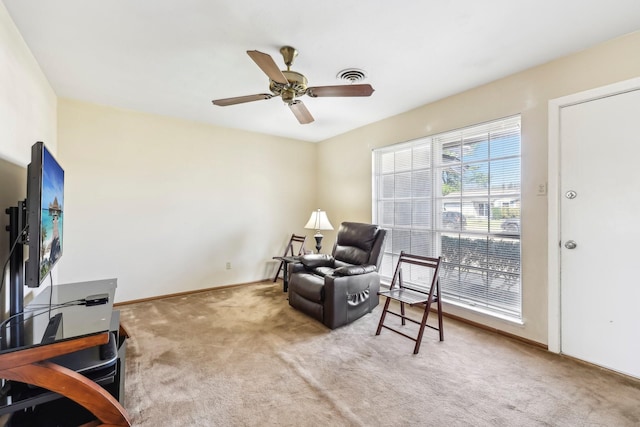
(600,215)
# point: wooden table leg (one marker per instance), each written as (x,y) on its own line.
(285,277)
(73,385)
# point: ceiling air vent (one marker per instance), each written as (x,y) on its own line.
(352,75)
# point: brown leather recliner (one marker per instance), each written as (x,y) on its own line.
(339,288)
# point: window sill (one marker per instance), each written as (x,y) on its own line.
(485,312)
(476,309)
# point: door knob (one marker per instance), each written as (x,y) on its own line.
(570,244)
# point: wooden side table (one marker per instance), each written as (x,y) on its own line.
(285,276)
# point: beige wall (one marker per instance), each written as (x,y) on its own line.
(27,115)
(27,102)
(163,204)
(13,187)
(344,162)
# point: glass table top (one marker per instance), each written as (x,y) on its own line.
(62,312)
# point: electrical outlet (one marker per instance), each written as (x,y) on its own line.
(542,189)
(228,266)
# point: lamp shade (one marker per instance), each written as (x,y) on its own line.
(319,221)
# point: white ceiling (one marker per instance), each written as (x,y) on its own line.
(172,57)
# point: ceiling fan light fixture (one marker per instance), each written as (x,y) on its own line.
(352,75)
(288,96)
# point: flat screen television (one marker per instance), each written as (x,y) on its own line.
(45,214)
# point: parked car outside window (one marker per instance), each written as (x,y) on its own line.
(511,225)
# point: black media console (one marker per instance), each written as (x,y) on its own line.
(44,331)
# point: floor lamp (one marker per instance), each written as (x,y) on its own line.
(318,221)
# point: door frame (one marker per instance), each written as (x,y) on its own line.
(554,337)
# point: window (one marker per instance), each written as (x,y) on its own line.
(482,209)
(457,195)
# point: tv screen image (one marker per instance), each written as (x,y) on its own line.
(45,214)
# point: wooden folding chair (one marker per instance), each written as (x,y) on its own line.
(289,251)
(414,293)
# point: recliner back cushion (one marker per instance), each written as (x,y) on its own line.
(354,243)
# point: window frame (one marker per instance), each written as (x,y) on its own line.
(500,244)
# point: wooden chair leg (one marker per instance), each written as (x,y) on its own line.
(422,326)
(384,313)
(278,272)
(440,315)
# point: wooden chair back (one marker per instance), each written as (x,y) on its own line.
(413,293)
(290,251)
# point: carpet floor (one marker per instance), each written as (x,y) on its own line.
(243,357)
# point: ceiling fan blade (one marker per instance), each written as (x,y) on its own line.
(300,111)
(340,90)
(268,65)
(241,99)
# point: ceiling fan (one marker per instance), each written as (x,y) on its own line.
(290,85)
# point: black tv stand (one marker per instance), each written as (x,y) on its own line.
(66,370)
(17,237)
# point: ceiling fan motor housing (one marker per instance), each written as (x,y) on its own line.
(297,86)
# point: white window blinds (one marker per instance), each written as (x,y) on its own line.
(457,195)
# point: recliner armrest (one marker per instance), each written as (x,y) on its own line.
(295,267)
(312,261)
(354,270)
